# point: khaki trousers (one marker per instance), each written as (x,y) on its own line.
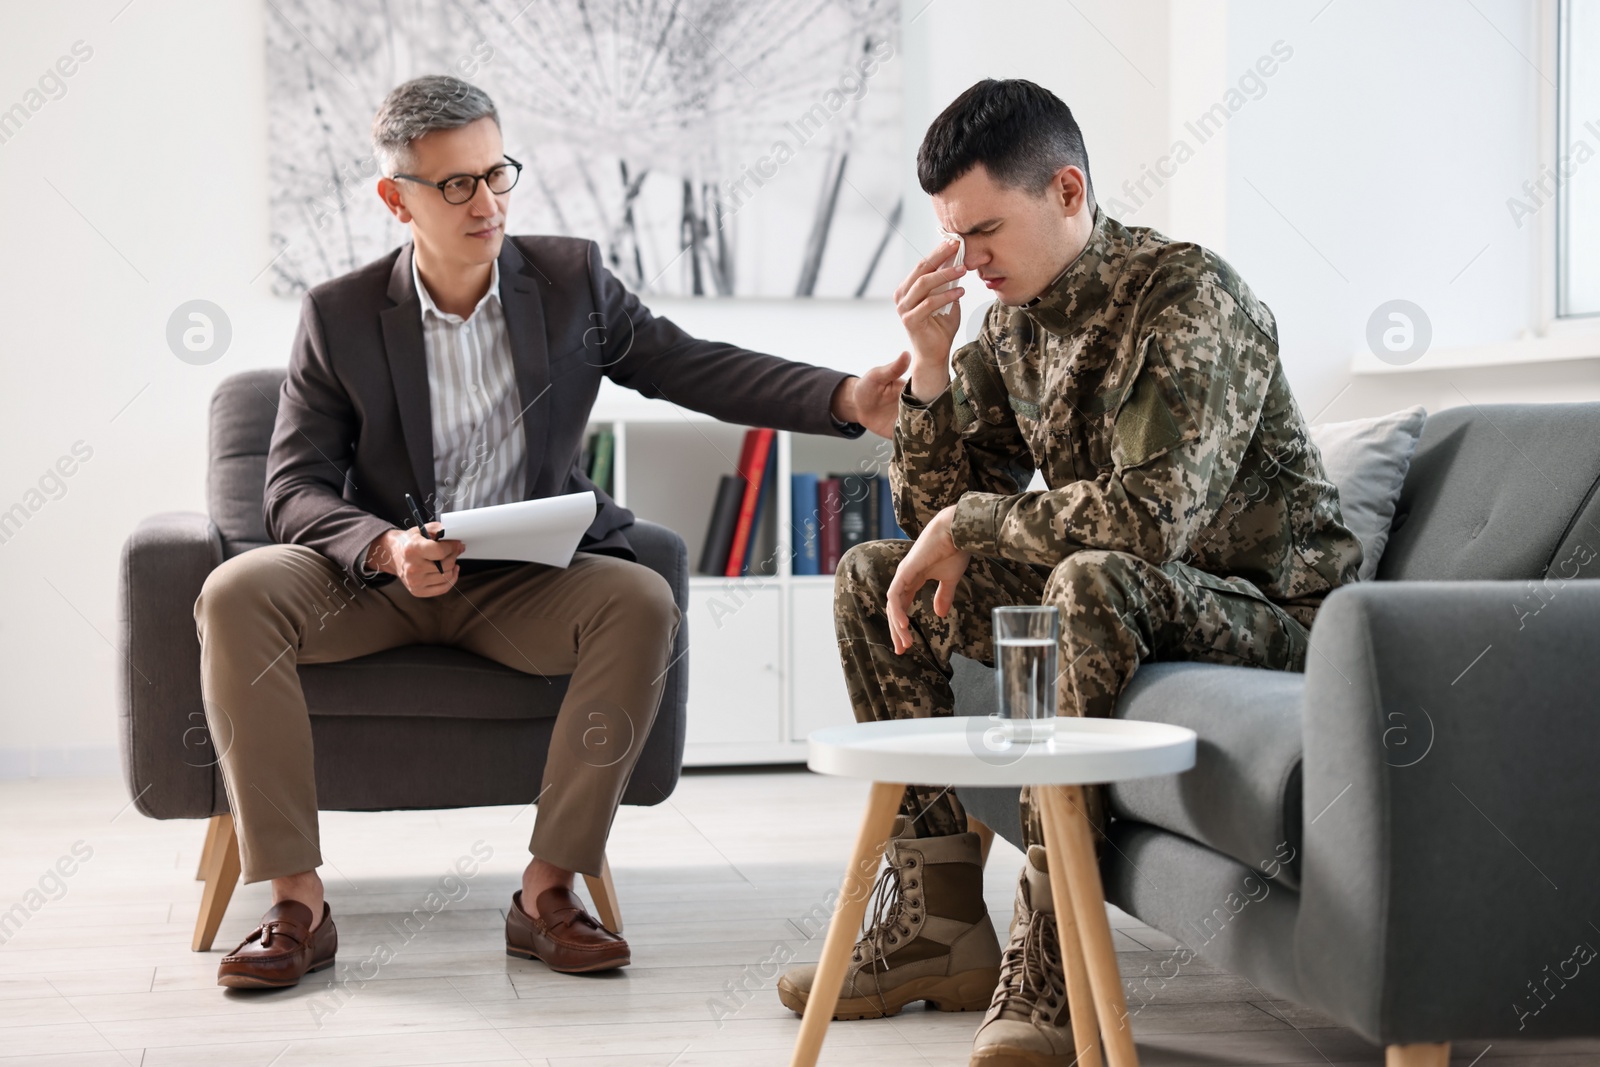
(608,622)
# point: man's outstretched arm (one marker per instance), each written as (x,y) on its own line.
(658,359)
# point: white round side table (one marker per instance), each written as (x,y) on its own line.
(968,751)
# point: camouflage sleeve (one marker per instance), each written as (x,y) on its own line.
(1180,432)
(964,440)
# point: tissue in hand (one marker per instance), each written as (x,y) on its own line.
(955,261)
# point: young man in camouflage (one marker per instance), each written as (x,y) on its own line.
(1186,516)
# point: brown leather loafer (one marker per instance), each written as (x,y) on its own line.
(282,949)
(563,935)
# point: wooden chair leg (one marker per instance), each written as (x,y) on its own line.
(205,850)
(1417,1055)
(985,838)
(604,892)
(221,872)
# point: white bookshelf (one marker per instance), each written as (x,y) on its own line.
(763,663)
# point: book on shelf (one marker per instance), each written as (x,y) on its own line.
(605,448)
(763,542)
(838,511)
(805,514)
(828,503)
(724,516)
(598,458)
(752,468)
(856,505)
(829,514)
(740,540)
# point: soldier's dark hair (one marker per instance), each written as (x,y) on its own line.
(1022,133)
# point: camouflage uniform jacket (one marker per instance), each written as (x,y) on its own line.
(1145,384)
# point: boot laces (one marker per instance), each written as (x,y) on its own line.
(888,923)
(1032,982)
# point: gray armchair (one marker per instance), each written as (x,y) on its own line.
(482,741)
(1403,837)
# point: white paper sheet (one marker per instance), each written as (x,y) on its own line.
(535,531)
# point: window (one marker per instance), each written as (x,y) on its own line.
(1577,164)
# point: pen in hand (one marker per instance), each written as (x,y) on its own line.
(422,527)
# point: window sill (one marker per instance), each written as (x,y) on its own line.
(1560,345)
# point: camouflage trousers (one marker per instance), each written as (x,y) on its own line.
(1117,611)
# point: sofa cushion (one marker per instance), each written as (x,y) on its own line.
(1242,797)
(243,411)
(1500,491)
(1367,460)
(429,681)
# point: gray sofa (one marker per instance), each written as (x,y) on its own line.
(1404,837)
(481,740)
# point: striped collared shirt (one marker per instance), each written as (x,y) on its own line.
(479,455)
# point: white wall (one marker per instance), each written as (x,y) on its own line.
(1390,140)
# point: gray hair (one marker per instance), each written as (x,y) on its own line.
(421,105)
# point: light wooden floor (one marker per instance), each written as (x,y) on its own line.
(714,887)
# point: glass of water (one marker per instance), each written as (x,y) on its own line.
(1025,643)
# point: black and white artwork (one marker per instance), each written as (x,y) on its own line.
(711,147)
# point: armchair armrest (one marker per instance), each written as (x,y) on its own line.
(656,774)
(1451,809)
(167,758)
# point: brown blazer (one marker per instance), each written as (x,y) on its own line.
(354,431)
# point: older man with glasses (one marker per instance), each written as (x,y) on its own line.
(461,369)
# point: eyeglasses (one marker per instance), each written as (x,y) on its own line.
(460,188)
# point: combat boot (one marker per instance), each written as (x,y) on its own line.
(1027,1023)
(929,936)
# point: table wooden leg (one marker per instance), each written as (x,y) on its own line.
(883,803)
(1080,1001)
(1065,804)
